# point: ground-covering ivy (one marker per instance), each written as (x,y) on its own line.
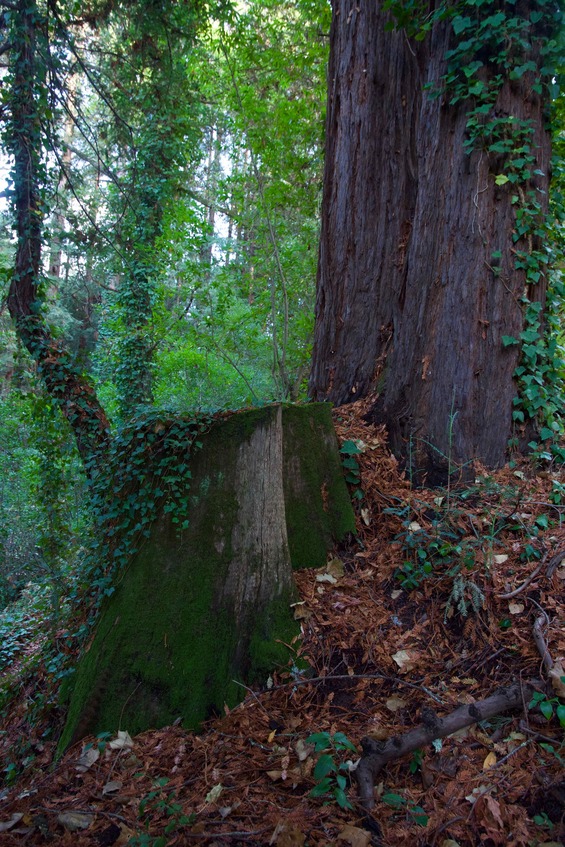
(491,44)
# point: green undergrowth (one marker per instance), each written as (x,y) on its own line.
(145,470)
(146,475)
(453,539)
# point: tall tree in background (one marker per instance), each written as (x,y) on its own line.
(29,106)
(156,137)
(141,80)
(432,273)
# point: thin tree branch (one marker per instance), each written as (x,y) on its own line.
(71,45)
(83,208)
(94,161)
(228,359)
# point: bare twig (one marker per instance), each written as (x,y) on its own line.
(531,577)
(317,680)
(540,641)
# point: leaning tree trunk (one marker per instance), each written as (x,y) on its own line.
(65,383)
(200,612)
(417,280)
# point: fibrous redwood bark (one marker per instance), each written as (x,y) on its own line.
(417,281)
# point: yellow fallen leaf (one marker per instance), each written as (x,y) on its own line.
(500,558)
(271,736)
(477,792)
(326,577)
(122,741)
(75,820)
(113,785)
(404,659)
(287,835)
(336,568)
(489,761)
(555,675)
(378,733)
(301,611)
(86,759)
(214,793)
(394,704)
(354,836)
(303,750)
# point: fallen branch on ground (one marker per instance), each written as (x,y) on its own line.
(377,754)
(555,560)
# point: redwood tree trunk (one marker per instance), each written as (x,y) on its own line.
(410,301)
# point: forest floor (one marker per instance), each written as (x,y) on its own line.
(445,597)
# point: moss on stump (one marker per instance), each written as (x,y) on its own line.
(200,609)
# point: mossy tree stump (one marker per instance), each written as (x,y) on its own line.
(200,610)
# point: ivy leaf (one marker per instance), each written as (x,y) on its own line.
(324,766)
(341,740)
(341,799)
(320,740)
(394,800)
(501,179)
(322,788)
(350,448)
(460,24)
(509,340)
(546,708)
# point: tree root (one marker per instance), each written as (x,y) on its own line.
(377,754)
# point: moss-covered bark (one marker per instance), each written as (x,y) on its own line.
(318,507)
(196,610)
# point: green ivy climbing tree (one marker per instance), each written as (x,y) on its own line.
(440,303)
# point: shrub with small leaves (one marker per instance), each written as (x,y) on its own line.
(548,706)
(330,775)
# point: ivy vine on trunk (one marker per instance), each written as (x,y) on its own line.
(70,388)
(432,280)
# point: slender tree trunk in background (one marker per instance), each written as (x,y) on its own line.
(409,302)
(56,250)
(73,393)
